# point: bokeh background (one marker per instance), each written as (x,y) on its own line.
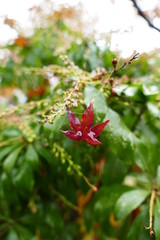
(116,18)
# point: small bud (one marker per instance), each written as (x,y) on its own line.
(30,139)
(76,88)
(54,150)
(75,104)
(72,100)
(75,95)
(94,188)
(114,62)
(57,154)
(41,121)
(63,160)
(111,81)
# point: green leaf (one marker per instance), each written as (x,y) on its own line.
(10,161)
(51,130)
(53,217)
(154,110)
(45,153)
(11,133)
(157,220)
(136,231)
(150,90)
(6,189)
(91,93)
(158,175)
(6,150)
(135,93)
(59,121)
(12,235)
(23,179)
(114,170)
(32,156)
(24,233)
(129,201)
(105,199)
(140,154)
(120,139)
(146,157)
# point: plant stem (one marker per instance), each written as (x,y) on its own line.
(64,199)
(95,189)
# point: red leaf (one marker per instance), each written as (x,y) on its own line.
(72,135)
(73,120)
(91,140)
(87,117)
(83,130)
(97,129)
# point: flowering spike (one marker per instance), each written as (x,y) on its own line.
(83,130)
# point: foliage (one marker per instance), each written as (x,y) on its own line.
(50,189)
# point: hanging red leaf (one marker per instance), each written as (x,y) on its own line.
(83,130)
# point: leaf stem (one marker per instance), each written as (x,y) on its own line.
(152,199)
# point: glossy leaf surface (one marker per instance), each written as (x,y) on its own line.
(129,201)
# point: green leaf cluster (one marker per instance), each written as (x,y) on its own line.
(47,184)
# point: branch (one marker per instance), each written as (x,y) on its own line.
(141,13)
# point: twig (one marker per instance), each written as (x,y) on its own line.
(141,13)
(115,69)
(133,57)
(100,75)
(150,228)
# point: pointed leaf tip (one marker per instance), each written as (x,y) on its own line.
(87,117)
(71,135)
(73,120)
(97,129)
